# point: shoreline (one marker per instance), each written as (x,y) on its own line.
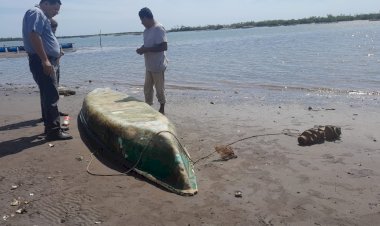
(281,183)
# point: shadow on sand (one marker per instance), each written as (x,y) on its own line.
(20,125)
(15,146)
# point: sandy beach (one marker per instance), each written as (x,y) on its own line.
(282,183)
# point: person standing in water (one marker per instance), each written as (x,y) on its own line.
(155,45)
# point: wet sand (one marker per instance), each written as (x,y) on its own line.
(282,183)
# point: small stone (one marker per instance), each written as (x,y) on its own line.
(310,108)
(14,187)
(212,102)
(98,222)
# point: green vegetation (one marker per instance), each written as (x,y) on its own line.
(272,23)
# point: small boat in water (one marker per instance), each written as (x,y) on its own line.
(16,49)
(67,45)
(141,136)
(12,49)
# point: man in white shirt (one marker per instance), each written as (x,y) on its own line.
(155,45)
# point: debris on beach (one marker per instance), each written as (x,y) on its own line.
(21,211)
(5,217)
(14,187)
(51,145)
(225,152)
(79,158)
(65,91)
(238,194)
(319,134)
(15,202)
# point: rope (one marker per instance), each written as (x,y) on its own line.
(287,132)
(139,159)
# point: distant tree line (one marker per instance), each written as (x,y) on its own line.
(266,23)
(273,23)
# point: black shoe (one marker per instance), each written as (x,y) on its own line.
(63,114)
(59,135)
(64,129)
(162,109)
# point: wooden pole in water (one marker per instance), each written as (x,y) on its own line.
(100,38)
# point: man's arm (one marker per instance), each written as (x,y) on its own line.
(36,41)
(158,48)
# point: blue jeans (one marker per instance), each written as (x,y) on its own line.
(48,93)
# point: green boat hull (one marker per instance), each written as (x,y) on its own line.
(140,135)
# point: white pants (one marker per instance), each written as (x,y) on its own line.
(156,79)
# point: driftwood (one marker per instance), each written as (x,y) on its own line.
(66,91)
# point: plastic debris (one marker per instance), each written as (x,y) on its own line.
(66,121)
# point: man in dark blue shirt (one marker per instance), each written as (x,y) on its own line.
(43,50)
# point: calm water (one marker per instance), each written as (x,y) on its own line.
(306,63)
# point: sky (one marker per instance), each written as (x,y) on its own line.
(82,17)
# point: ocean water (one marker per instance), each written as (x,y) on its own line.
(308,64)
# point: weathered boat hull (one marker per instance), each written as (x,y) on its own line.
(141,136)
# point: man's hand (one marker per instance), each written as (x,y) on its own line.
(140,50)
(48,68)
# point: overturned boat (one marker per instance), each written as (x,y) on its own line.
(143,137)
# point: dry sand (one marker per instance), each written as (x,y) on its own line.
(333,183)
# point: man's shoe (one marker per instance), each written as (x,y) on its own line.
(63,114)
(60,135)
(162,109)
